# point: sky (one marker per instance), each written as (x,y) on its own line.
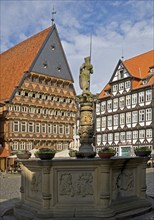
(119,28)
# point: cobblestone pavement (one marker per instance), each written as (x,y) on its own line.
(10,189)
(10,186)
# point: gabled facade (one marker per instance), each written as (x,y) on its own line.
(125,107)
(37,96)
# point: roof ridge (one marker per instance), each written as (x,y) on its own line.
(22,42)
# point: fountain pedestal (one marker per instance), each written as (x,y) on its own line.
(82,189)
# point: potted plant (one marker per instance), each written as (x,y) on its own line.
(106,152)
(46,153)
(72,153)
(23,154)
(142,151)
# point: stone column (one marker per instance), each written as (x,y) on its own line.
(46,194)
(105,185)
(143,178)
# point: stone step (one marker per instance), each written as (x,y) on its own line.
(9,217)
(6,207)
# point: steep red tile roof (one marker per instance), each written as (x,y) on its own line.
(15,61)
(3,152)
(102,94)
(138,67)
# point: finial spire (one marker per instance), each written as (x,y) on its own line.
(122,54)
(53,13)
(90,46)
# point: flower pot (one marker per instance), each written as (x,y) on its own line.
(105,155)
(142,153)
(23,155)
(72,153)
(46,156)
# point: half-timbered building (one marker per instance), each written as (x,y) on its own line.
(37,96)
(125,107)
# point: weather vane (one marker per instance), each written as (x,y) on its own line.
(53,13)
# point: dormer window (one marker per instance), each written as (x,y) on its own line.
(52,47)
(151,69)
(59,68)
(45,65)
(144,81)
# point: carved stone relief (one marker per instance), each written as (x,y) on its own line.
(76,184)
(123,183)
(36,183)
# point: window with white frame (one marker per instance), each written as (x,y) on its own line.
(109,121)
(22,146)
(121,102)
(61,129)
(55,129)
(135,135)
(98,123)
(17,108)
(59,146)
(149,133)
(142,134)
(109,105)
(116,136)
(29,145)
(44,128)
(22,93)
(134,99)
(110,137)
(16,126)
(141,97)
(122,118)
(98,139)
(149,114)
(115,88)
(149,95)
(103,106)
(24,109)
(128,117)
(115,120)
(31,127)
(10,107)
(122,136)
(50,128)
(15,146)
(67,129)
(30,94)
(128,135)
(103,122)
(104,137)
(121,86)
(31,110)
(115,103)
(23,126)
(141,115)
(98,108)
(134,117)
(127,84)
(128,100)
(37,127)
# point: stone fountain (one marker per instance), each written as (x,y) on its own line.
(83,188)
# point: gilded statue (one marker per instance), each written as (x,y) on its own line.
(84,79)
